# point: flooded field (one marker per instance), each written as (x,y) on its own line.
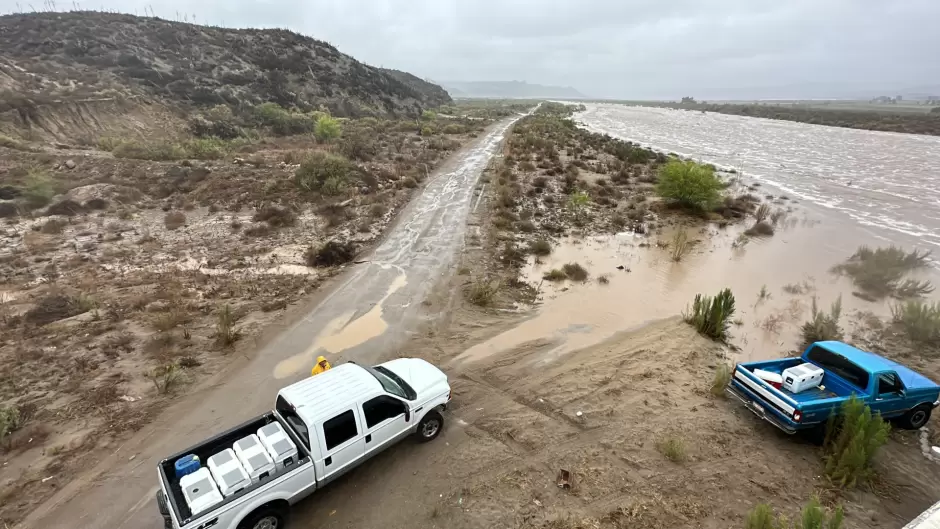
(843,188)
(881,180)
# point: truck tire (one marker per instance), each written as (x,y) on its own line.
(164,510)
(430,426)
(916,418)
(265,518)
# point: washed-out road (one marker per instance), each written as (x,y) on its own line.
(366,314)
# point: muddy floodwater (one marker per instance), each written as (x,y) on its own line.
(883,180)
(843,188)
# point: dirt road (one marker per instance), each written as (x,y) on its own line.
(378,298)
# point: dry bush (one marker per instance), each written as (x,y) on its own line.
(53,226)
(66,208)
(721,379)
(482,293)
(276,217)
(332,253)
(225,332)
(575,272)
(680,245)
(672,448)
(174,220)
(712,316)
(880,272)
(760,229)
(555,275)
(165,377)
(822,326)
(540,247)
(920,320)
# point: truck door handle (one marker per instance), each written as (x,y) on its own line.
(328,461)
(369,438)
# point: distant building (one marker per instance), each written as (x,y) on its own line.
(897,99)
(882,99)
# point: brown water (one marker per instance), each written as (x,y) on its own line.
(808,243)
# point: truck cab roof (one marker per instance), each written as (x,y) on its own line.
(874,363)
(329,393)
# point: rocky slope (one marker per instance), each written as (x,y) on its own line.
(69,58)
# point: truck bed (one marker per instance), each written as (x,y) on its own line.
(831,386)
(213,446)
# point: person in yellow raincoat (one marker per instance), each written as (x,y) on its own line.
(322,365)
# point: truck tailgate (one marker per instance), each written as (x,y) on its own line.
(766,401)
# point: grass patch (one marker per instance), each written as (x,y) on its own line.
(720,380)
(689,184)
(920,320)
(823,326)
(555,275)
(852,441)
(672,448)
(712,316)
(11,143)
(880,272)
(166,377)
(813,516)
(603,279)
(575,272)
(482,293)
(760,229)
(225,332)
(540,247)
(332,253)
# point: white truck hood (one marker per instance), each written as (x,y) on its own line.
(423,377)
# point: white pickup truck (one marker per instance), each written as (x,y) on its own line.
(336,420)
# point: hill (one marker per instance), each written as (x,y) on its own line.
(51,58)
(510,90)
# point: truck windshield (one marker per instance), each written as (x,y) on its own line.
(392,383)
(839,365)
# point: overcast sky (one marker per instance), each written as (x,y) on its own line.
(708,49)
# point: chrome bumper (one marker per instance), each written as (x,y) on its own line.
(759,411)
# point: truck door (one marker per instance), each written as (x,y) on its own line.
(341,444)
(888,399)
(386,421)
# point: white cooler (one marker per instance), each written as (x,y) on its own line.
(200,491)
(802,377)
(278,445)
(254,457)
(228,472)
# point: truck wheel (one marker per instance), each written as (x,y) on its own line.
(164,510)
(430,426)
(265,518)
(916,418)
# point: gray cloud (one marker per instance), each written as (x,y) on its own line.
(616,48)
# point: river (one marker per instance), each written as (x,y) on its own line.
(884,180)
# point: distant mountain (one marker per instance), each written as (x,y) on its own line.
(510,90)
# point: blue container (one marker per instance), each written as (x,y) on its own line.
(186,465)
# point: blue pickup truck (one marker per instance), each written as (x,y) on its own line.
(889,388)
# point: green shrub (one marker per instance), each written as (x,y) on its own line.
(334,186)
(680,245)
(822,326)
(712,316)
(689,184)
(10,143)
(852,441)
(881,272)
(920,320)
(454,128)
(10,421)
(206,148)
(427,131)
(318,167)
(39,189)
(281,121)
(327,129)
(160,151)
(428,115)
(813,516)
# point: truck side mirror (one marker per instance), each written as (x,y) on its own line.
(407,414)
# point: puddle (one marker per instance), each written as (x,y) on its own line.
(343,332)
(652,286)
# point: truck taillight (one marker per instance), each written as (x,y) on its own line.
(797,415)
